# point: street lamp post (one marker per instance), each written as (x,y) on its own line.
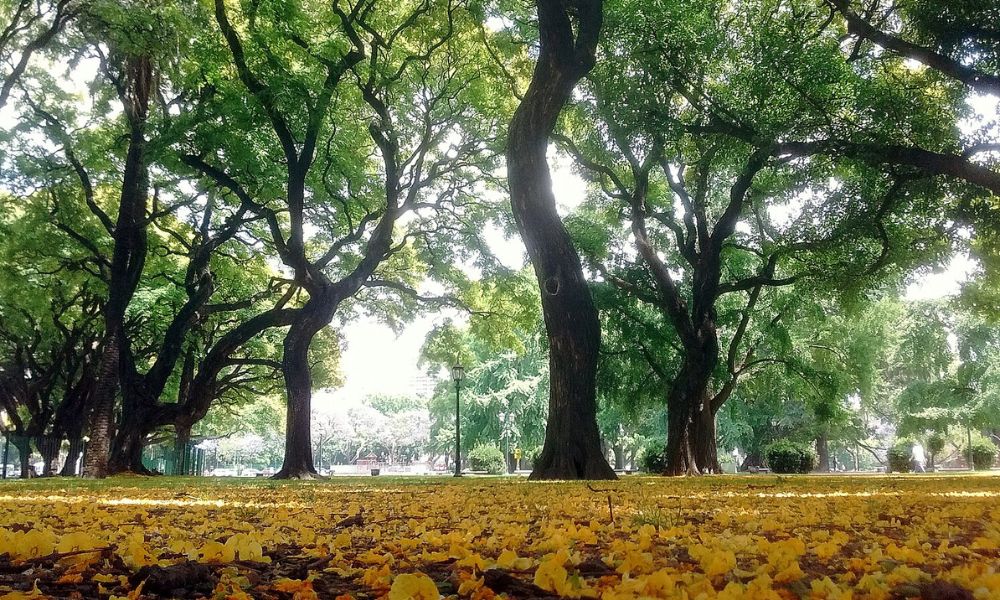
(458,373)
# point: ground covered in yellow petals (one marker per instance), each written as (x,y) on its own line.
(724,537)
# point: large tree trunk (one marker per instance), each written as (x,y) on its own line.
(823,452)
(693,451)
(181,440)
(102,417)
(678,449)
(619,451)
(685,426)
(298,462)
(572,448)
(703,438)
(127,445)
(127,261)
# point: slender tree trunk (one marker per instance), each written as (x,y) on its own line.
(182,437)
(23,445)
(127,261)
(572,448)
(75,449)
(49,448)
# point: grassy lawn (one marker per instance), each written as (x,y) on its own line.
(711,537)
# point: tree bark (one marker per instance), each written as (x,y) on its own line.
(23,445)
(128,443)
(823,452)
(75,449)
(182,438)
(298,462)
(704,439)
(572,448)
(102,417)
(49,448)
(619,451)
(127,261)
(685,425)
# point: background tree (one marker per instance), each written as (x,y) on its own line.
(399,66)
(716,216)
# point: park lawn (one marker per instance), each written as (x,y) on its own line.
(711,537)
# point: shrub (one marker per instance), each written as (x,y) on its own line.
(654,458)
(489,458)
(935,443)
(984,453)
(785,456)
(899,455)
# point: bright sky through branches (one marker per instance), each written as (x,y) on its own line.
(377,361)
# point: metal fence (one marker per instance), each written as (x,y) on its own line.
(169,460)
(24,456)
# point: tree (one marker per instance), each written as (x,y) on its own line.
(412,82)
(28,27)
(960,41)
(572,448)
(701,155)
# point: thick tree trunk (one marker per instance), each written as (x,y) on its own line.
(102,416)
(619,451)
(685,426)
(753,459)
(127,446)
(823,452)
(572,448)
(678,449)
(704,440)
(298,462)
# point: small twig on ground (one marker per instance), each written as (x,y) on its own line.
(611,508)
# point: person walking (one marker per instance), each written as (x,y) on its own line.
(917,458)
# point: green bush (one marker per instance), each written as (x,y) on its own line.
(489,458)
(899,456)
(654,458)
(785,456)
(935,443)
(984,453)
